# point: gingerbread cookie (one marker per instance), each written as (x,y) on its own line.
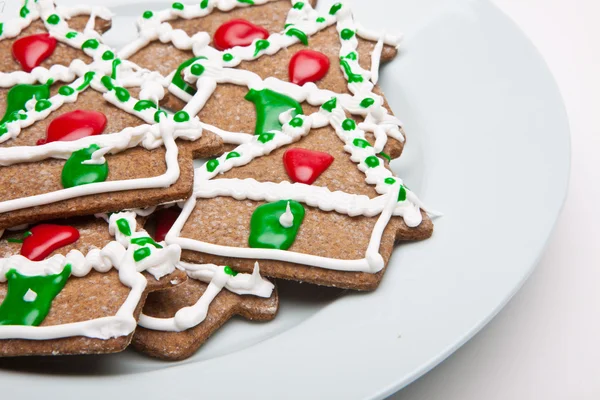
(78,286)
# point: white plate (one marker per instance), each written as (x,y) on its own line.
(488,145)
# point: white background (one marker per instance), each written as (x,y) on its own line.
(546,343)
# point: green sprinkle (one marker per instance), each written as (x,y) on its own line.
(53,19)
(66,90)
(349,124)
(347,34)
(115,64)
(142,105)
(265,137)
(402,194)
(335,8)
(211,165)
(367,102)
(330,104)
(90,44)
(352,77)
(123,226)
(42,105)
(177,6)
(372,162)
(362,143)
(260,46)
(145,240)
(147,14)
(250,2)
(320,20)
(87,79)
(23,12)
(142,253)
(233,154)
(158,114)
(71,35)
(108,55)
(197,69)
(386,156)
(107,82)
(229,271)
(181,116)
(299,34)
(1,28)
(389,181)
(122,94)
(352,56)
(227,57)
(203,4)
(298,6)
(296,122)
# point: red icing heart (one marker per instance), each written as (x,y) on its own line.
(74,125)
(305,166)
(45,238)
(238,32)
(31,51)
(308,66)
(165,219)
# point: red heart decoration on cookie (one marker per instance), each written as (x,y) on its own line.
(43,239)
(31,51)
(238,32)
(74,125)
(308,66)
(305,166)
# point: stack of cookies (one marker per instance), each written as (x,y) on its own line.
(108,234)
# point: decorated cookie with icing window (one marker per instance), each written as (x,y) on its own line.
(96,142)
(76,286)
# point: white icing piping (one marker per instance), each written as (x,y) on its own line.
(217,279)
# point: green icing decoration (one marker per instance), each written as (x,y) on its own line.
(108,55)
(362,143)
(320,20)
(349,124)
(211,165)
(229,271)
(21,240)
(367,102)
(147,14)
(250,2)
(178,79)
(352,77)
(227,57)
(261,45)
(71,35)
(158,114)
(389,181)
(402,193)
(107,82)
(23,12)
(15,310)
(115,64)
(266,231)
(1,28)
(42,105)
(145,240)
(298,6)
(299,34)
(177,6)
(386,156)
(123,226)
(347,34)
(372,161)
(76,173)
(330,104)
(90,44)
(233,154)
(269,105)
(53,19)
(181,116)
(122,94)
(296,122)
(141,253)
(87,79)
(203,4)
(144,105)
(352,56)
(197,69)
(21,94)
(265,137)
(335,8)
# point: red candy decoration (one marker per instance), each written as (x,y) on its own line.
(31,51)
(238,32)
(45,238)
(305,166)
(74,125)
(308,66)
(165,219)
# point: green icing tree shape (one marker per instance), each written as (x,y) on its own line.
(269,106)
(15,310)
(76,173)
(19,95)
(266,231)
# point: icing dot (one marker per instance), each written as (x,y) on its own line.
(66,90)
(296,122)
(148,14)
(299,34)
(351,56)
(158,114)
(142,105)
(320,20)
(362,143)
(227,57)
(229,271)
(233,154)
(107,82)
(71,35)
(141,253)
(1,28)
(177,6)
(211,165)
(299,5)
(265,137)
(330,104)
(23,12)
(349,124)
(53,19)
(237,32)
(335,8)
(308,66)
(367,102)
(261,45)
(372,162)
(347,34)
(390,181)
(203,4)
(90,44)
(386,156)
(402,194)
(122,94)
(181,116)
(197,69)
(108,55)
(42,105)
